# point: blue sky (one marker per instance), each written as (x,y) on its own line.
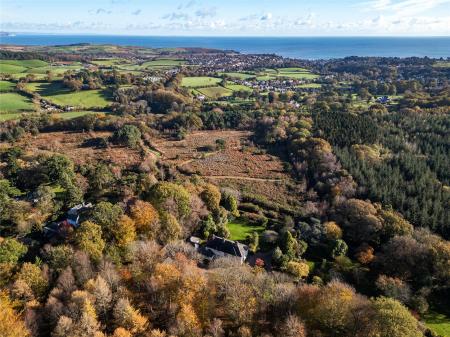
(228,17)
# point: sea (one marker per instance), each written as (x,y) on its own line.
(312,48)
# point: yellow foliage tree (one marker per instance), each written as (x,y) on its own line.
(11,324)
(146,218)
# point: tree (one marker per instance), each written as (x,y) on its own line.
(340,248)
(394,288)
(211,197)
(11,250)
(171,197)
(32,275)
(124,231)
(102,294)
(106,215)
(394,319)
(332,230)
(253,242)
(292,326)
(299,270)
(170,228)
(128,135)
(128,317)
(146,218)
(11,325)
(88,238)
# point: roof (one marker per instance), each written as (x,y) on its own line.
(227,246)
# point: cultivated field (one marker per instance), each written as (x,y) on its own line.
(6,86)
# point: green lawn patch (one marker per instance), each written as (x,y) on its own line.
(298,75)
(200,81)
(239,230)
(6,86)
(108,62)
(215,92)
(12,102)
(293,70)
(56,70)
(265,77)
(437,322)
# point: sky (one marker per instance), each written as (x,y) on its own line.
(228,17)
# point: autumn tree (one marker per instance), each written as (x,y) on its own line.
(11,324)
(128,317)
(88,238)
(146,218)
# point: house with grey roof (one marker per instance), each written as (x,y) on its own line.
(221,247)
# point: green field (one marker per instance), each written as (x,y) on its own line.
(310,86)
(75,114)
(6,86)
(11,68)
(215,92)
(239,87)
(199,82)
(163,63)
(108,62)
(265,77)
(57,94)
(241,76)
(25,63)
(240,230)
(14,103)
(439,323)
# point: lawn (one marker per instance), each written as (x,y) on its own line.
(57,94)
(201,81)
(108,62)
(439,323)
(239,230)
(265,77)
(293,70)
(14,103)
(56,70)
(6,86)
(215,92)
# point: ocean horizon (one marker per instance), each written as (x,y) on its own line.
(293,47)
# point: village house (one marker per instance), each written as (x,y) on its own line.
(217,247)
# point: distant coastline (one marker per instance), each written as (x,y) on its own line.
(293,47)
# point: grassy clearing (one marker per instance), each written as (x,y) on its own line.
(239,230)
(11,103)
(439,323)
(299,76)
(293,70)
(215,92)
(6,86)
(199,82)
(442,64)
(265,77)
(85,99)
(57,70)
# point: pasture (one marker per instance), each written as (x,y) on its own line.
(85,99)
(241,76)
(6,86)
(14,103)
(215,92)
(200,81)
(239,87)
